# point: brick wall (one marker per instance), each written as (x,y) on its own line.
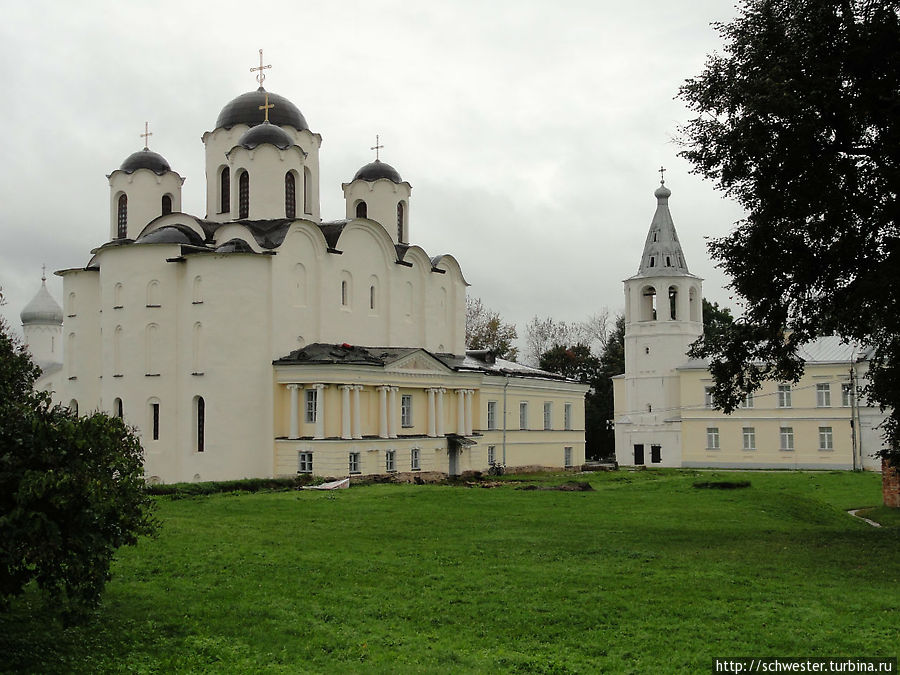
(890,484)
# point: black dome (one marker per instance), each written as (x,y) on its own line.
(378,169)
(171,234)
(266,133)
(145,159)
(245,110)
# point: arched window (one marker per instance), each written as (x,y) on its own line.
(117,351)
(648,304)
(673,302)
(307,182)
(361,210)
(118,408)
(166,204)
(372,297)
(400,238)
(200,423)
(117,295)
(225,190)
(153,294)
(345,299)
(244,195)
(153,421)
(290,195)
(122,221)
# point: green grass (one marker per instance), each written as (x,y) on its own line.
(647,574)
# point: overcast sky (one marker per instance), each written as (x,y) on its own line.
(530,131)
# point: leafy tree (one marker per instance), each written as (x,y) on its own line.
(716,320)
(71,490)
(799,121)
(486,330)
(613,358)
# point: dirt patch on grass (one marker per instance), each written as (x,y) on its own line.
(569,486)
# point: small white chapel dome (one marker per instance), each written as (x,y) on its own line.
(42,308)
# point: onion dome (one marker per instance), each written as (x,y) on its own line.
(42,308)
(378,169)
(266,133)
(145,159)
(245,109)
(171,234)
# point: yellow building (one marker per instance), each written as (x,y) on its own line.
(664,414)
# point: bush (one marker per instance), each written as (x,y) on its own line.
(71,491)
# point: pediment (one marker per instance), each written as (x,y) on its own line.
(417,363)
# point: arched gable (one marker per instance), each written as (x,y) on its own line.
(447,262)
(176,218)
(231,231)
(304,234)
(368,231)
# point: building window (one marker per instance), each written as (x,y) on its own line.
(201,423)
(290,195)
(490,455)
(361,210)
(390,457)
(354,462)
(707,397)
(567,456)
(787,438)
(406,411)
(846,395)
(154,413)
(567,416)
(122,217)
(823,395)
(118,408)
(225,191)
(306,184)
(73,407)
(784,396)
(414,464)
(749,434)
(371,297)
(400,222)
(304,462)
(826,438)
(655,454)
(548,415)
(311,395)
(523,415)
(166,205)
(748,401)
(712,438)
(153,294)
(244,195)
(345,294)
(492,415)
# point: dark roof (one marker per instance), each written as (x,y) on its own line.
(171,234)
(266,133)
(245,109)
(319,352)
(378,169)
(332,231)
(145,159)
(235,246)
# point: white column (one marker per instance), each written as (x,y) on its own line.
(392,414)
(320,410)
(470,394)
(432,425)
(440,411)
(295,410)
(345,411)
(357,425)
(382,412)
(461,412)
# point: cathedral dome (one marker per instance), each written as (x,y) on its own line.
(145,159)
(42,308)
(266,133)
(245,109)
(378,169)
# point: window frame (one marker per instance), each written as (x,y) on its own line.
(786,439)
(415,459)
(492,415)
(567,457)
(713,439)
(823,395)
(354,463)
(406,411)
(523,415)
(748,434)
(305,461)
(567,416)
(785,392)
(826,439)
(310,403)
(390,461)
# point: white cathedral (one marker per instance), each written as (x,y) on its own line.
(260,340)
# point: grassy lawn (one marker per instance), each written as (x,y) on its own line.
(646,574)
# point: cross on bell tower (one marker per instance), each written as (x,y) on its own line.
(260,75)
(662,175)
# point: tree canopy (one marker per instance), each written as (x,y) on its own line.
(71,490)
(798,119)
(486,330)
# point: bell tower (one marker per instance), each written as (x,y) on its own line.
(663,317)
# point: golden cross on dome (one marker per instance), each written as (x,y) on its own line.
(146,135)
(260,75)
(267,106)
(376,147)
(662,175)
